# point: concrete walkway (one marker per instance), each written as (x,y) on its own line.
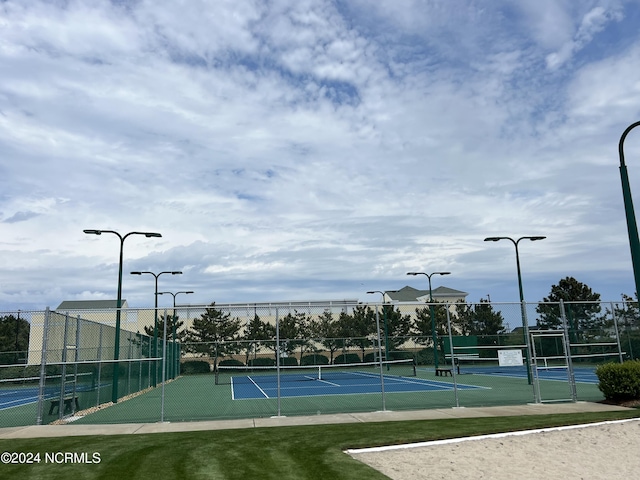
(39,431)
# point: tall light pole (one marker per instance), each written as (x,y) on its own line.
(632,228)
(155,318)
(116,352)
(174,323)
(384,320)
(523,312)
(434,334)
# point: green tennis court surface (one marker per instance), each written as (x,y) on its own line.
(197,398)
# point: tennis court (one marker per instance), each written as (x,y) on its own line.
(316,382)
(582,374)
(16,392)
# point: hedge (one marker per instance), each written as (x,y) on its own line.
(262,362)
(231,362)
(192,367)
(347,358)
(620,381)
(314,359)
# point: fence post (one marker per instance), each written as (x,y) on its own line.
(63,370)
(164,364)
(384,407)
(43,364)
(615,327)
(453,358)
(278,357)
(567,340)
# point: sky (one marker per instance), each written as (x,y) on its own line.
(294,150)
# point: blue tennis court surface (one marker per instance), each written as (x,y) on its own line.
(255,387)
(15,397)
(582,374)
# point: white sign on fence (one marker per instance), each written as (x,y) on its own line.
(510,358)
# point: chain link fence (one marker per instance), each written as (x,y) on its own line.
(302,359)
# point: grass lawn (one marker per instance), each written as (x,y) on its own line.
(304,452)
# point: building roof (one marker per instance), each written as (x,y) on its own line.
(410,294)
(90,305)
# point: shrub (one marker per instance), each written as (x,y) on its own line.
(232,362)
(262,362)
(288,361)
(425,356)
(620,381)
(400,355)
(192,367)
(347,358)
(314,359)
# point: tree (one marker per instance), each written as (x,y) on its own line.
(398,327)
(258,333)
(582,311)
(171,321)
(306,327)
(327,330)
(14,339)
(288,333)
(628,314)
(214,334)
(480,319)
(358,327)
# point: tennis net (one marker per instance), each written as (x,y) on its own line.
(227,374)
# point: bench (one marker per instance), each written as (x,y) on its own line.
(68,404)
(443,372)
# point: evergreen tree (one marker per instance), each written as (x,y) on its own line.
(398,328)
(481,319)
(581,309)
(214,334)
(14,339)
(258,333)
(171,321)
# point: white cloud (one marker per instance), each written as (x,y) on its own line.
(593,22)
(302,149)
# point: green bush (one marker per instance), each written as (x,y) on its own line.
(289,361)
(620,381)
(232,362)
(401,355)
(425,356)
(347,358)
(192,367)
(314,359)
(262,362)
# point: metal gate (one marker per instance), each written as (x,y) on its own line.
(554,365)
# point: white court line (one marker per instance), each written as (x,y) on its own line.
(483,437)
(258,387)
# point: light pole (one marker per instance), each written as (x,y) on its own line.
(174,324)
(433,317)
(116,352)
(632,227)
(384,320)
(525,323)
(155,318)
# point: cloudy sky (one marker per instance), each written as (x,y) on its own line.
(312,150)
